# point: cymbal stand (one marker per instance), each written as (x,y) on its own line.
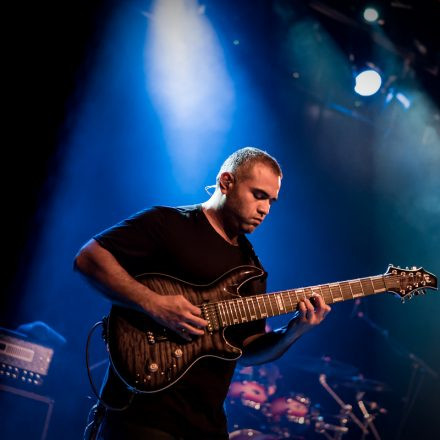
(346,409)
(368,417)
(419,370)
(322,427)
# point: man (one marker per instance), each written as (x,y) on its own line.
(196,244)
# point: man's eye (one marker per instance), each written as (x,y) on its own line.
(259,196)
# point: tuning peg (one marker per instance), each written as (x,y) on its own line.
(414,267)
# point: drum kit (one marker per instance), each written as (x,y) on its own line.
(258,406)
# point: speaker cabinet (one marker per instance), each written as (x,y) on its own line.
(24,415)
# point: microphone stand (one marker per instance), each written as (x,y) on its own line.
(419,369)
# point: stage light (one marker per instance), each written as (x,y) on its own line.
(371,15)
(368,82)
(404,100)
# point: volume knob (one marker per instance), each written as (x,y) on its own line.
(153,367)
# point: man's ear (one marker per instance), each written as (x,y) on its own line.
(226,181)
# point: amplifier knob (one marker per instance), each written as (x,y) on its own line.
(178,352)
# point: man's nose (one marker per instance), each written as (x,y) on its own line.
(264,208)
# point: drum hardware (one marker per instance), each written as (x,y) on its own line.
(368,417)
(346,409)
(420,369)
(321,426)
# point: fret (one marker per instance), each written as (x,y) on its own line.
(244,315)
(241,309)
(336,291)
(222,314)
(234,313)
(331,294)
(378,284)
(250,301)
(325,289)
(254,305)
(301,292)
(270,303)
(229,311)
(296,295)
(313,291)
(289,295)
(351,290)
(309,292)
(285,297)
(280,303)
(262,314)
(265,305)
(258,304)
(356,288)
(362,287)
(247,309)
(346,290)
(367,286)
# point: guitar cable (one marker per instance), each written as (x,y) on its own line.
(103,322)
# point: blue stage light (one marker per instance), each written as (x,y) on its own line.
(368,82)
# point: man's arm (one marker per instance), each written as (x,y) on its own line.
(267,347)
(102,269)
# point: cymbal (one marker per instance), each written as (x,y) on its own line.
(361,383)
(324,365)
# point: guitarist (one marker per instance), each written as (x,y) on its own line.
(196,244)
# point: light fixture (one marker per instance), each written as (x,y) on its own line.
(371,15)
(368,82)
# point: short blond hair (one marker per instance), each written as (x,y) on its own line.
(242,160)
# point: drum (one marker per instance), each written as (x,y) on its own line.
(250,393)
(292,408)
(290,416)
(250,434)
(244,406)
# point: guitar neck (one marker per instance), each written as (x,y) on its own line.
(252,308)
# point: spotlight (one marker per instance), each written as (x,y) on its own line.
(371,15)
(368,82)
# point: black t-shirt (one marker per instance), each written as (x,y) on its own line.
(182,243)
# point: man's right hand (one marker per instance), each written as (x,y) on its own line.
(176,313)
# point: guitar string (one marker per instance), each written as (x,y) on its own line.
(272,299)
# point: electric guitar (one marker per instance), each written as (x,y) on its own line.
(150,358)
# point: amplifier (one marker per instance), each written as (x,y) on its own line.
(22,360)
(24,414)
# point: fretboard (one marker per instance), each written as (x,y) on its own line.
(251,308)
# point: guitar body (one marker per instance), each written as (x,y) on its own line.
(148,357)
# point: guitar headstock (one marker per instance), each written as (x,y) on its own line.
(409,282)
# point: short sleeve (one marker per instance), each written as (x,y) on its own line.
(135,240)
